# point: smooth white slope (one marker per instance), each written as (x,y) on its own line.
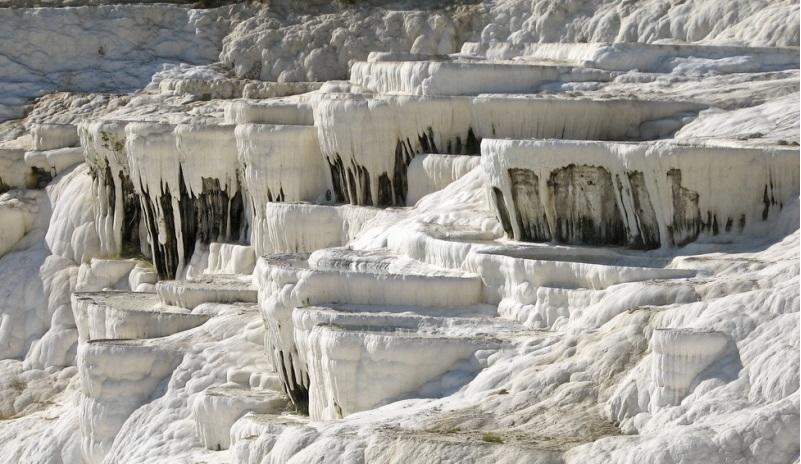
(100,48)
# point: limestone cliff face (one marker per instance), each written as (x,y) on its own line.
(117,46)
(294,47)
(103,48)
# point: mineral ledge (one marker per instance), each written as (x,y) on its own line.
(508,231)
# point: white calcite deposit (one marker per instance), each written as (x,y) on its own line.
(369,141)
(679,357)
(216,409)
(280,163)
(445,77)
(186,177)
(294,111)
(221,288)
(127,315)
(14,172)
(646,195)
(555,232)
(116,378)
(352,353)
(54,161)
(306,227)
(117,216)
(51,136)
(646,57)
(100,48)
(18,211)
(431,172)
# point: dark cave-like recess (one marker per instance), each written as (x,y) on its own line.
(351,184)
(644,214)
(531,218)
(585,206)
(584,202)
(211,216)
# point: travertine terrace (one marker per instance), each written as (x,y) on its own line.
(399,232)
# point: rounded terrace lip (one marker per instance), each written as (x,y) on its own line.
(399,232)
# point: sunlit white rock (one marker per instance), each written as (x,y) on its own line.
(141,275)
(53,136)
(128,315)
(185,166)
(503,271)
(269,89)
(216,409)
(254,435)
(72,233)
(573,379)
(155,173)
(54,161)
(218,288)
(226,258)
(220,258)
(116,378)
(100,274)
(463,78)
(279,163)
(289,281)
(431,172)
(679,355)
(369,141)
(361,357)
(85,50)
(18,211)
(306,227)
(118,221)
(772,122)
(14,172)
(645,57)
(289,111)
(646,194)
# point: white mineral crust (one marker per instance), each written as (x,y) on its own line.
(491,232)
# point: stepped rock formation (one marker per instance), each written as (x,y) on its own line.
(399,231)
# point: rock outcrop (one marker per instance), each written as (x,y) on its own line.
(485,232)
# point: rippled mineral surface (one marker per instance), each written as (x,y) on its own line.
(414,231)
